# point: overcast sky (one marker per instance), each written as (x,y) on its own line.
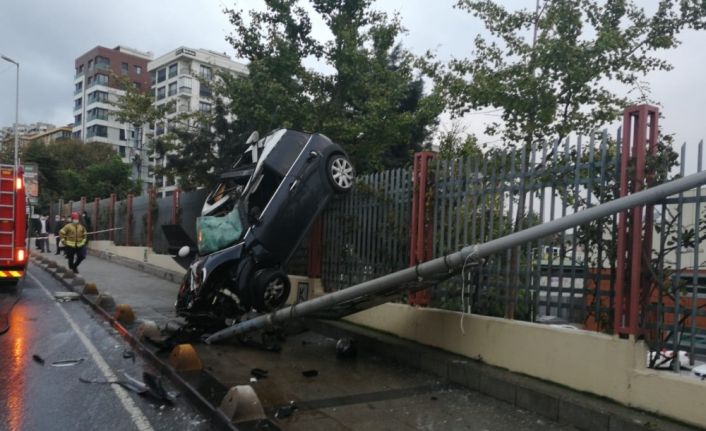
(45,37)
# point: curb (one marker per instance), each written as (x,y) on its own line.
(556,403)
(211,413)
(166,274)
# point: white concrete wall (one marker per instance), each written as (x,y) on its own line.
(586,361)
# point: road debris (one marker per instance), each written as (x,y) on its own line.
(156,389)
(129,354)
(38,359)
(67,362)
(286,411)
(66,296)
(258,373)
(310,373)
(346,348)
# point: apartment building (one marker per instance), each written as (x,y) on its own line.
(96,86)
(183,76)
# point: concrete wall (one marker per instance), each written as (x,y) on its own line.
(586,361)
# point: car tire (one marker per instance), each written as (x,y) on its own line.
(340,173)
(272,289)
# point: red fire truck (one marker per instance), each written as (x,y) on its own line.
(13,224)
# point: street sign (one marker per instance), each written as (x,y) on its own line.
(32,182)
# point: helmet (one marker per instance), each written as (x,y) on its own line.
(74,216)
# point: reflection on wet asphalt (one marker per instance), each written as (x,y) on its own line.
(39,396)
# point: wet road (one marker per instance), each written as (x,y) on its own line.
(36,396)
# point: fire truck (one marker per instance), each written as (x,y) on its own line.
(13,225)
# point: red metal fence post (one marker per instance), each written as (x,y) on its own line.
(96,204)
(128,220)
(176,202)
(421,234)
(150,205)
(640,127)
(315,247)
(83,205)
(111,217)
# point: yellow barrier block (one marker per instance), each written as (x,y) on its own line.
(90,289)
(124,314)
(184,358)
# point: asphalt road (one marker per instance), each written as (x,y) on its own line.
(41,396)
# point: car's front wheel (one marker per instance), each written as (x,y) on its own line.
(272,289)
(341,173)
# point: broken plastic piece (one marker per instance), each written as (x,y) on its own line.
(286,411)
(66,296)
(156,389)
(259,373)
(38,359)
(67,362)
(129,354)
(346,348)
(310,373)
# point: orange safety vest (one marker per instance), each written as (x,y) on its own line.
(73,235)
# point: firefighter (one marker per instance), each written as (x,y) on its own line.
(73,235)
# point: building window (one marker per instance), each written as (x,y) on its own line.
(172,70)
(97,130)
(160,129)
(101,79)
(80,69)
(138,69)
(102,62)
(124,68)
(90,64)
(122,134)
(98,96)
(121,149)
(161,74)
(97,114)
(172,89)
(137,85)
(77,103)
(185,85)
(78,87)
(206,72)
(204,90)
(76,134)
(77,120)
(204,107)
(161,93)
(153,77)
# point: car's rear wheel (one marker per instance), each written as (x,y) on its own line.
(272,289)
(340,173)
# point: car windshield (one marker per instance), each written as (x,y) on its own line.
(217,232)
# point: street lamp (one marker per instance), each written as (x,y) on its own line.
(17,105)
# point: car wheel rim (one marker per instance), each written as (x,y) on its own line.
(274,291)
(342,173)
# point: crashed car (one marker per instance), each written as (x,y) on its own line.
(253,221)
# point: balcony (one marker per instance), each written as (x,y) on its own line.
(185,91)
(79,74)
(102,66)
(91,117)
(78,91)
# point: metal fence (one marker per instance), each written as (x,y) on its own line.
(568,277)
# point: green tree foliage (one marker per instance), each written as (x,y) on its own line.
(70,169)
(371,100)
(551,71)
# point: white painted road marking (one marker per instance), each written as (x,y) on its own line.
(135,413)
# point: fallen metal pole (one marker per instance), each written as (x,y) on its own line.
(454,261)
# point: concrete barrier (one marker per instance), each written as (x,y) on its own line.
(600,364)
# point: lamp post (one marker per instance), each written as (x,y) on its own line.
(17,105)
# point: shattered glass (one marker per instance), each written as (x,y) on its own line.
(217,232)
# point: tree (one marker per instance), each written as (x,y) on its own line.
(136,107)
(372,102)
(70,169)
(549,71)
